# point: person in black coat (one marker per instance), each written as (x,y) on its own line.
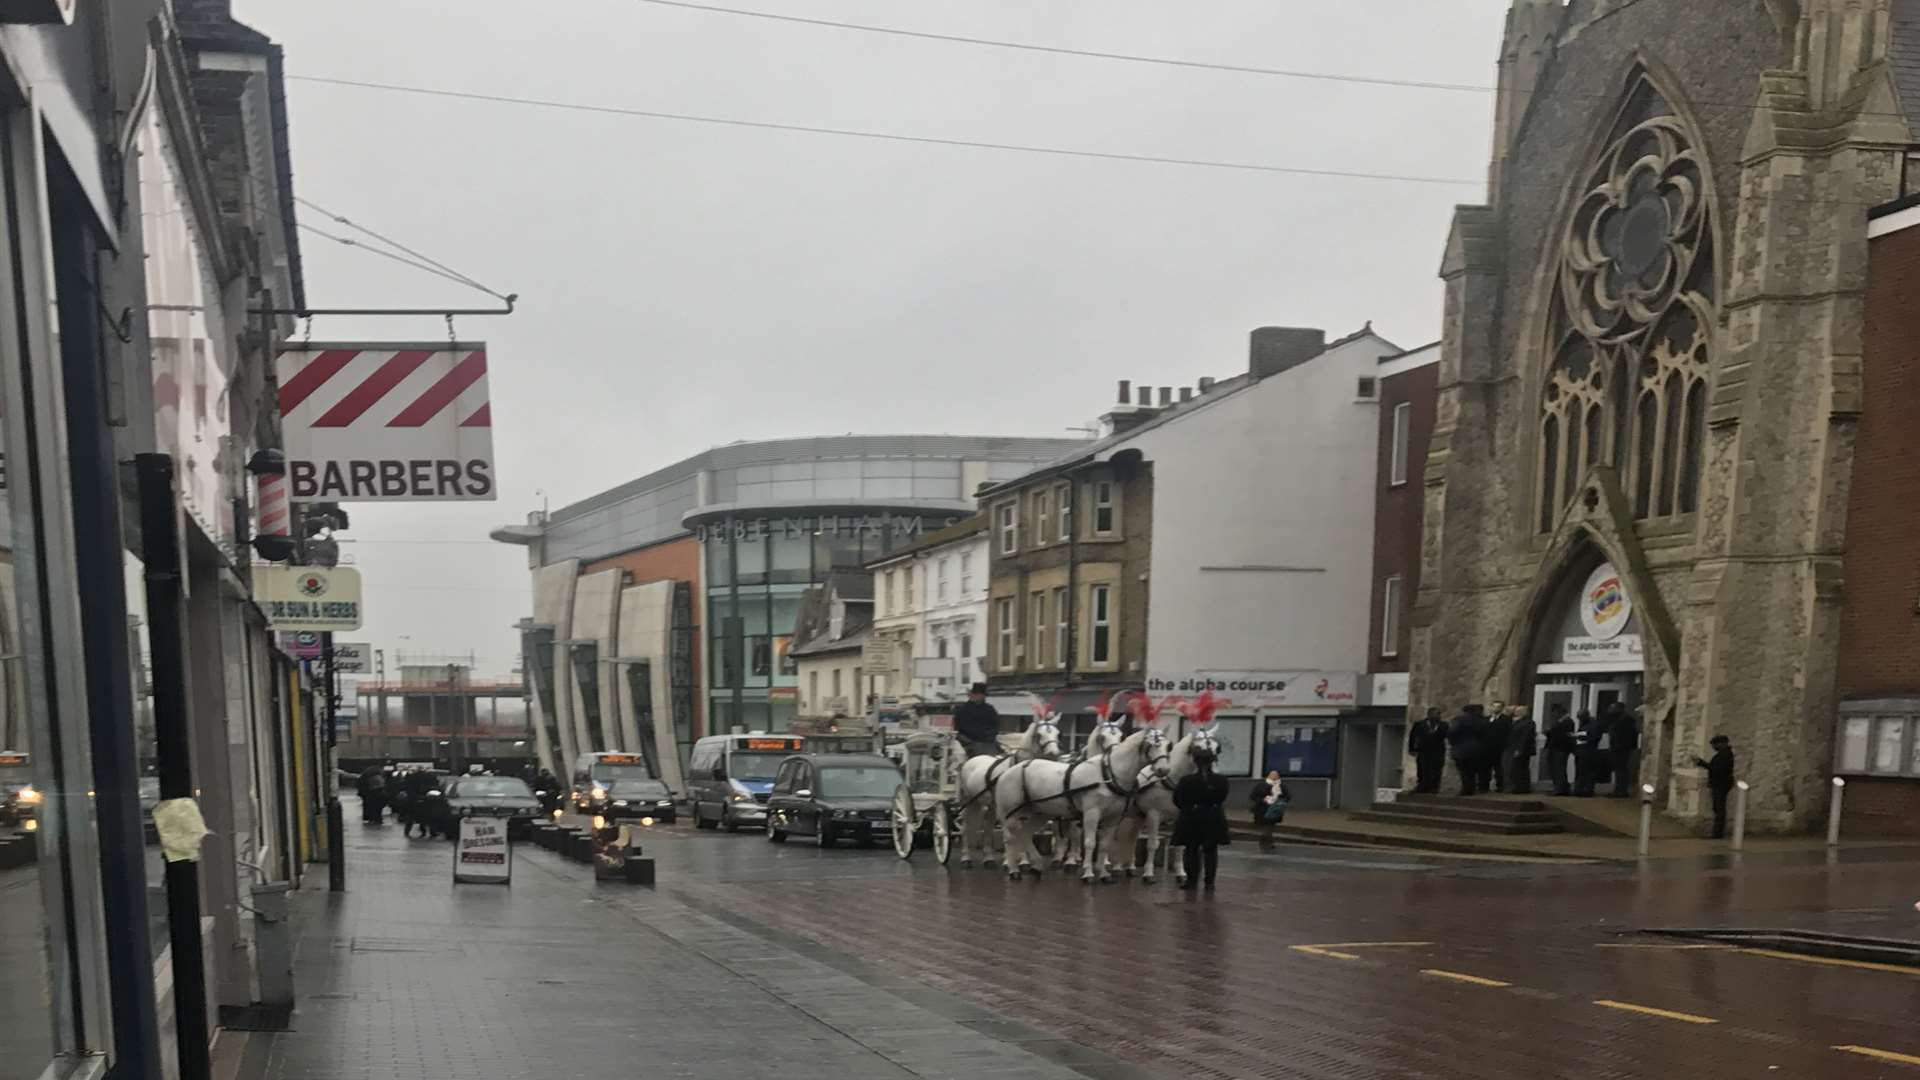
(1427,742)
(1493,751)
(1467,738)
(1719,781)
(1561,744)
(1202,825)
(1623,736)
(1588,756)
(978,723)
(1521,745)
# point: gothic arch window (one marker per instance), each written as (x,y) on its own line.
(1631,323)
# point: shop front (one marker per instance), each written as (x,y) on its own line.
(1272,721)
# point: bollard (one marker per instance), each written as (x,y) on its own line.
(1739,814)
(1646,818)
(1833,813)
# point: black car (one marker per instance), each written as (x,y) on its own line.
(831,797)
(632,799)
(482,796)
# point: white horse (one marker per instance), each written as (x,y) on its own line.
(1068,851)
(1040,740)
(1153,807)
(1091,791)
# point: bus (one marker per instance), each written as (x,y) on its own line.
(602,768)
(730,776)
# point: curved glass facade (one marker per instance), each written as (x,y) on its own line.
(758,569)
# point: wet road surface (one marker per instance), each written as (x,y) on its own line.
(1320,962)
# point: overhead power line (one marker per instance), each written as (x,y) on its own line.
(925,140)
(1177,62)
(1093,54)
(445,271)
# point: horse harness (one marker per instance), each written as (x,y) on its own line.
(1071,795)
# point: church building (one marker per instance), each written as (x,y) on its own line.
(1651,379)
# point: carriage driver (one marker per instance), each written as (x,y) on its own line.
(978,724)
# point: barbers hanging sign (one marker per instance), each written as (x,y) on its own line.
(387,423)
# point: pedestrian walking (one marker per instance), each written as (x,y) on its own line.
(1427,742)
(1202,825)
(1466,737)
(1719,780)
(1493,754)
(977,723)
(1623,735)
(1520,751)
(373,796)
(1562,740)
(1269,800)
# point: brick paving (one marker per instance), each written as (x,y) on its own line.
(408,975)
(751,960)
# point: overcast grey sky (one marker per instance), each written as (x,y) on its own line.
(686,285)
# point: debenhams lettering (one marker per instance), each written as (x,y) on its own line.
(903,527)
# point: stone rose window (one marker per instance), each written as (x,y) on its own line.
(1631,328)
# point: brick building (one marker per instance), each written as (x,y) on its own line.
(1650,382)
(1877,746)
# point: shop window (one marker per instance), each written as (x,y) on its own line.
(750,559)
(1236,744)
(1100,624)
(719,562)
(1402,431)
(1306,748)
(791,558)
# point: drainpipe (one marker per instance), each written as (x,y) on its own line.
(166,638)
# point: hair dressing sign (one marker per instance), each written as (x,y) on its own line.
(387,423)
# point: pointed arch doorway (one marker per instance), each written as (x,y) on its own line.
(1586,657)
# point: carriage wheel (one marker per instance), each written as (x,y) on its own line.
(904,823)
(942,833)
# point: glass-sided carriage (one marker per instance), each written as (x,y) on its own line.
(928,797)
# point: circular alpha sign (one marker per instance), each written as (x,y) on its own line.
(1605,606)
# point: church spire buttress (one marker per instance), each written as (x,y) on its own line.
(1533,29)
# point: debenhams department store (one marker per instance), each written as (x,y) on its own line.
(663,608)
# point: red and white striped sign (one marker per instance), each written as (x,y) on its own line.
(387,423)
(276,510)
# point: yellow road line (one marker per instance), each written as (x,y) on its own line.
(1458,977)
(1830,961)
(1883,1055)
(1372,944)
(1647,1010)
(1315,950)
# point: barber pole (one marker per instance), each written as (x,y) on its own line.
(274,506)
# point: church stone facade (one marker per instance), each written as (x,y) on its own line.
(1637,487)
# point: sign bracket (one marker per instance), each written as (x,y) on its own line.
(511,299)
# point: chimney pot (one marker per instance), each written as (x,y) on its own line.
(1126,390)
(1186,393)
(1146,395)
(1166,396)
(1206,383)
(1274,349)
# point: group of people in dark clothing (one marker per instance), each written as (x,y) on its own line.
(1495,753)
